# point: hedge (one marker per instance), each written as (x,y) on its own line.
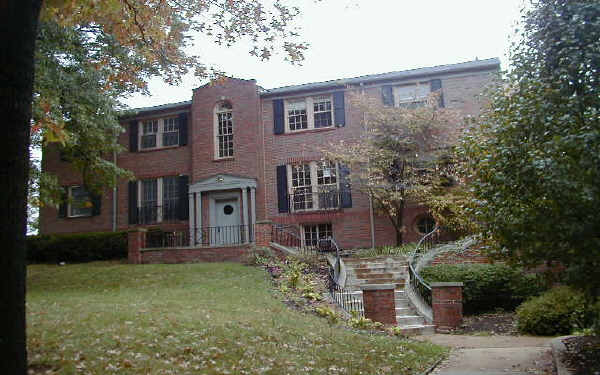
(76,248)
(487,286)
(559,311)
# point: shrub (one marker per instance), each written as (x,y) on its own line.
(404,249)
(487,286)
(558,311)
(76,248)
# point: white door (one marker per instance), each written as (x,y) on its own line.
(227,224)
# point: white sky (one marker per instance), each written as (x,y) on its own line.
(350,38)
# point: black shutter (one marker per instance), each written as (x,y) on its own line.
(96,204)
(282,189)
(133,209)
(436,85)
(183,129)
(345,186)
(184,200)
(339,111)
(278,117)
(388,96)
(62,206)
(133,136)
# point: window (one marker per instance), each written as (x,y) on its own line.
(170,197)
(80,203)
(224,131)
(308,113)
(425,224)
(157,133)
(148,211)
(411,96)
(314,233)
(313,186)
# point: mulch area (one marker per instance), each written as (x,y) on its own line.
(582,355)
(499,323)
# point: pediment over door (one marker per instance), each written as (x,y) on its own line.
(222,182)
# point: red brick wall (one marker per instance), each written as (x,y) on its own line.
(209,254)
(379,305)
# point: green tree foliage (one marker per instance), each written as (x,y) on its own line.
(402,155)
(534,160)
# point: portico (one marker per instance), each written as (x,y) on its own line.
(230,214)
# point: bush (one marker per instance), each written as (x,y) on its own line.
(487,286)
(556,312)
(404,249)
(76,248)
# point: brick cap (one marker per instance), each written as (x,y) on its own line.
(446,284)
(377,286)
(137,230)
(264,222)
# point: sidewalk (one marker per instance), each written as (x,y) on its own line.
(494,355)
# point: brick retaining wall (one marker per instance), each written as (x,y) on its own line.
(237,254)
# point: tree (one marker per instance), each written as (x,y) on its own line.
(132,40)
(400,156)
(534,159)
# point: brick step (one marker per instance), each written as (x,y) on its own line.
(417,329)
(406,320)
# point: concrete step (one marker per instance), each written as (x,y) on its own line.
(373,275)
(407,320)
(417,329)
(404,311)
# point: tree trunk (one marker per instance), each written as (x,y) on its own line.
(18,27)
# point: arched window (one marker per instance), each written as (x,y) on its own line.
(223,130)
(425,224)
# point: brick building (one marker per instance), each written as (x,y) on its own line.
(237,153)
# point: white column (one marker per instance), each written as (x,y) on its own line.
(191,218)
(252,211)
(199,218)
(245,213)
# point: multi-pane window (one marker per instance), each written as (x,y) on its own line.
(301,187)
(149,131)
(314,185)
(411,96)
(170,132)
(314,233)
(322,111)
(224,131)
(80,202)
(297,118)
(309,113)
(170,197)
(157,133)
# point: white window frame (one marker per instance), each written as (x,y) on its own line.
(314,184)
(218,110)
(70,202)
(162,123)
(421,93)
(316,225)
(310,112)
(159,192)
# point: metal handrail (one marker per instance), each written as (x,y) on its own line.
(342,296)
(417,283)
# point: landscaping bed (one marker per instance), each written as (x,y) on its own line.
(210,318)
(582,355)
(498,323)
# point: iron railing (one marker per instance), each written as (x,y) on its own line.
(349,300)
(419,286)
(150,214)
(305,199)
(224,235)
(165,239)
(289,236)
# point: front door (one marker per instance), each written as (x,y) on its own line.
(227,226)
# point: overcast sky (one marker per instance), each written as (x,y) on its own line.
(349,38)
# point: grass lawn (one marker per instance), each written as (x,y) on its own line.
(221,318)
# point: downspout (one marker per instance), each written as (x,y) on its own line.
(114,196)
(371,216)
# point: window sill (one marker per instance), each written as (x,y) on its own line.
(216,160)
(304,131)
(316,211)
(157,149)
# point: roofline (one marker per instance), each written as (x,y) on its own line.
(476,65)
(136,112)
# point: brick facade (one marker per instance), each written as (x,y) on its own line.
(447,305)
(379,304)
(258,151)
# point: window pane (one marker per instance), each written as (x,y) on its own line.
(81,204)
(302,192)
(326,173)
(148,140)
(310,235)
(170,198)
(297,115)
(225,134)
(322,112)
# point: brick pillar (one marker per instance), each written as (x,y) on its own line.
(446,302)
(379,303)
(136,240)
(263,233)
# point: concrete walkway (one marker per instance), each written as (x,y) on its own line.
(494,355)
